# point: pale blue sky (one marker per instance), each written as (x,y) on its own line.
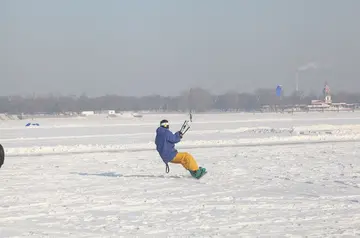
(144,47)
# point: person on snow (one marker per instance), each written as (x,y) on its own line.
(165,145)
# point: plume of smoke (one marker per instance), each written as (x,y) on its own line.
(311,65)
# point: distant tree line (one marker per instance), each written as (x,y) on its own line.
(196,99)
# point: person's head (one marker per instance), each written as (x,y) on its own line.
(165,124)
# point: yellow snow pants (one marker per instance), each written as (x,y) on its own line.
(186,160)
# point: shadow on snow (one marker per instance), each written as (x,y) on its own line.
(113,174)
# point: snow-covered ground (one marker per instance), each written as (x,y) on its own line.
(270,175)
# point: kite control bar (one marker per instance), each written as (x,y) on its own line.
(185,127)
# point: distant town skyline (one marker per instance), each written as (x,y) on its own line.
(137,48)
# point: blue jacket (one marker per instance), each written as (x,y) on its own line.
(165,143)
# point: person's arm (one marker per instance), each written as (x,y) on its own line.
(173,138)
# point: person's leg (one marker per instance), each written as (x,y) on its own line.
(186,160)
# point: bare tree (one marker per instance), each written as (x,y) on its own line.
(196,99)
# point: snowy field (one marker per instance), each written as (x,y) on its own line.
(269,175)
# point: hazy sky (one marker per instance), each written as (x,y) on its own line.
(143,47)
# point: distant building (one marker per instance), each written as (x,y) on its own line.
(87,113)
(327,104)
(316,105)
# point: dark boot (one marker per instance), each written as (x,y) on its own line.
(198,173)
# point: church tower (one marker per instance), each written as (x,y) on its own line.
(327,95)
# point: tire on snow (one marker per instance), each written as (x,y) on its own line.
(2,155)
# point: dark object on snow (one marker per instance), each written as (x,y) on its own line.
(2,155)
(32,124)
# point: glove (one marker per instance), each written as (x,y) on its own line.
(180,134)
